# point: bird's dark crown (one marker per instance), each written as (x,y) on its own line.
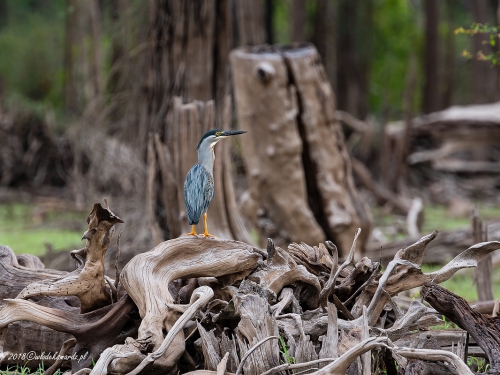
(208,134)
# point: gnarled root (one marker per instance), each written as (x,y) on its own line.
(87,282)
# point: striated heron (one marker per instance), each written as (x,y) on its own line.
(199,184)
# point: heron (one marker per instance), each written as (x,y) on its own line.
(199,185)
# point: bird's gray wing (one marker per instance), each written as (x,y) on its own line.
(197,197)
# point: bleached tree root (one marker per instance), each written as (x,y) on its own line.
(114,324)
(145,278)
(200,298)
(435,355)
(339,366)
(68,344)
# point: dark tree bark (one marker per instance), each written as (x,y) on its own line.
(354,25)
(449,68)
(83,60)
(431,57)
(269,4)
(483,329)
(324,38)
(190,60)
(250,23)
(298,21)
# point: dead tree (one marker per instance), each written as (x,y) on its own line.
(286,102)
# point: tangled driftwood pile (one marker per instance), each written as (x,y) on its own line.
(214,306)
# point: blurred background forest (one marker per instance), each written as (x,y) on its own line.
(87,110)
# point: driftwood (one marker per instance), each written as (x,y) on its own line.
(87,281)
(445,247)
(13,278)
(239,301)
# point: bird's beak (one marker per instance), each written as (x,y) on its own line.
(233,132)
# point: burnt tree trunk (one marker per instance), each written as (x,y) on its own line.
(299,170)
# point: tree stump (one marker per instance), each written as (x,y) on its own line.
(190,121)
(298,167)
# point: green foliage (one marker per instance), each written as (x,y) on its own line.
(396,36)
(478,363)
(448,324)
(284,352)
(494,34)
(25,229)
(23,370)
(31,45)
(462,282)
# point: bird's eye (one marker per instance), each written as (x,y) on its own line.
(218,134)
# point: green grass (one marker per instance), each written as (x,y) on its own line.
(22,370)
(27,228)
(436,217)
(462,282)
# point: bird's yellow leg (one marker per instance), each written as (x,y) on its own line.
(205,233)
(193,231)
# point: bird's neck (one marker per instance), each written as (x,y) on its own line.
(206,157)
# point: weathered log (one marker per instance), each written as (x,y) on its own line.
(329,347)
(144,278)
(256,324)
(339,367)
(335,272)
(281,270)
(459,367)
(14,277)
(296,138)
(316,259)
(21,337)
(484,330)
(113,322)
(68,344)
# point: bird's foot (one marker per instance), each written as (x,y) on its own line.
(208,235)
(192,233)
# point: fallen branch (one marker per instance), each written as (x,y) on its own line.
(330,285)
(251,350)
(435,355)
